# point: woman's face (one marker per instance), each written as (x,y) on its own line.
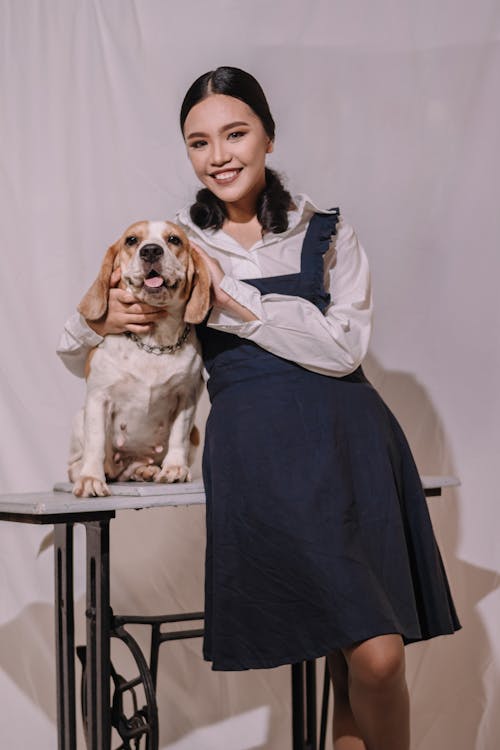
(227,145)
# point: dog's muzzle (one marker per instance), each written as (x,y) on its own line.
(151,253)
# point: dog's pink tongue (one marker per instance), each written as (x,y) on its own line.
(154,281)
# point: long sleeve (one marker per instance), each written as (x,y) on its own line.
(333,343)
(77,339)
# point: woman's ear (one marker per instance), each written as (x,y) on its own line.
(198,303)
(95,302)
(270,147)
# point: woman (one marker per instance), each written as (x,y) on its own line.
(319,540)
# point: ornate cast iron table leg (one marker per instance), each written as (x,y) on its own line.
(98,634)
(65,636)
(304,716)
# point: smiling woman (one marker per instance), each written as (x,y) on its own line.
(315,510)
(229,157)
(229,130)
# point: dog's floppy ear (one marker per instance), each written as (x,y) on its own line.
(95,302)
(199,299)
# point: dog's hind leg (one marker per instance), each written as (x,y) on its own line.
(146,473)
(175,465)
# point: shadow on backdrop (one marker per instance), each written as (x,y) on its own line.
(445,671)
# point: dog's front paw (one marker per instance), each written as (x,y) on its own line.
(174,474)
(90,487)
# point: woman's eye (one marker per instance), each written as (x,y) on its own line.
(237,134)
(197,144)
(132,240)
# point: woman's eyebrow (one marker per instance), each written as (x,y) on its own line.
(233,125)
(229,126)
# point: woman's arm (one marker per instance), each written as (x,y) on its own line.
(77,339)
(333,343)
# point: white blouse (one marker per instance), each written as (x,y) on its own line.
(332,343)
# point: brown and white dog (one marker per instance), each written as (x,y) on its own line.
(142,391)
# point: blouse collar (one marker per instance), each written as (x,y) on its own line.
(305,207)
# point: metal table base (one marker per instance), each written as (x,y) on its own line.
(95,515)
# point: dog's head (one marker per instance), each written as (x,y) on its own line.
(159,266)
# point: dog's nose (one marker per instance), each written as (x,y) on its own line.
(151,252)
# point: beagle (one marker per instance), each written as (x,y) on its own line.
(142,391)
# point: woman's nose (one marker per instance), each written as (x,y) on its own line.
(219,155)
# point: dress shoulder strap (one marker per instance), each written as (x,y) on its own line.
(322,227)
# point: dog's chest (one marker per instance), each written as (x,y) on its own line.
(144,392)
(140,426)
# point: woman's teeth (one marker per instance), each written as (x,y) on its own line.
(226,176)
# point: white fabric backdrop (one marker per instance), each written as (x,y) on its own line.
(387,109)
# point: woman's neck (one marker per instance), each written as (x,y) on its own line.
(246,232)
(242,223)
(238,213)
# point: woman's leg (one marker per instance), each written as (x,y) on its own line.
(346,734)
(378,693)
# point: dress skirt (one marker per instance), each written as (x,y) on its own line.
(318,531)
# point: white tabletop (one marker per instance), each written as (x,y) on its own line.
(132,495)
(124,495)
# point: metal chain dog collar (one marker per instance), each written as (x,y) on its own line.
(155,348)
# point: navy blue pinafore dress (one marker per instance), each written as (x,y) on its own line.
(318,532)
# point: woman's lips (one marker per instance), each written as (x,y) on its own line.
(226,177)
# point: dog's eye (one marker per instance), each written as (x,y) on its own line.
(132,240)
(174,240)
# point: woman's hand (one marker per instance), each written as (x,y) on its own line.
(125,312)
(218,297)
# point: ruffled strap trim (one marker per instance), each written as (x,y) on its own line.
(321,229)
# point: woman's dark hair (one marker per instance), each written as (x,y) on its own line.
(274,201)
